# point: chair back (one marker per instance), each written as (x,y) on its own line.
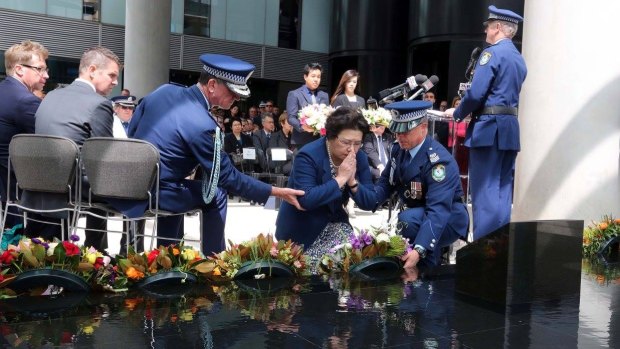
(278,157)
(44,163)
(120,168)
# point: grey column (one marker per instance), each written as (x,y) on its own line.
(147,33)
(569,113)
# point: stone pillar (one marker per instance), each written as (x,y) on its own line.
(569,113)
(147,33)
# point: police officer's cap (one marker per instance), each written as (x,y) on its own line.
(498,14)
(407,115)
(127,101)
(234,72)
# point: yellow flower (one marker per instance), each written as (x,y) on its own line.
(88,330)
(187,315)
(188,254)
(91,257)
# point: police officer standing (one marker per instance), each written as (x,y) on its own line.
(493,134)
(427,181)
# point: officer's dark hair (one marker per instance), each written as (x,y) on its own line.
(312,66)
(345,118)
(205,77)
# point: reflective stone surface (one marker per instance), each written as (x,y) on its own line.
(334,312)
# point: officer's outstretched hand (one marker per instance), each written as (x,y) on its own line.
(289,195)
(450,112)
(411,259)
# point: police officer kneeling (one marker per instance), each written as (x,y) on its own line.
(426,178)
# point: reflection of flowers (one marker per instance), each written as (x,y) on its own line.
(596,234)
(366,244)
(261,248)
(604,274)
(379,116)
(315,116)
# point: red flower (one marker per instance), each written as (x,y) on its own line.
(152,256)
(70,249)
(323,132)
(7,257)
(98,263)
(66,337)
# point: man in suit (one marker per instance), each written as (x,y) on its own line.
(426,178)
(301,97)
(78,112)
(26,72)
(261,138)
(493,134)
(177,122)
(377,145)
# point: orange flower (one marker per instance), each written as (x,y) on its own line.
(603,225)
(134,273)
(217,271)
(617,220)
(130,303)
(176,251)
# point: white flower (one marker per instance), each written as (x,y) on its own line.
(50,249)
(383,237)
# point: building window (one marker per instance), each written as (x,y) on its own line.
(90,10)
(288,29)
(196,20)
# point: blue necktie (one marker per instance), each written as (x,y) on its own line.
(125,126)
(381,151)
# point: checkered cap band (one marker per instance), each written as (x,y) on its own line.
(503,18)
(398,117)
(226,76)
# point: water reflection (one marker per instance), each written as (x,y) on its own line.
(330,312)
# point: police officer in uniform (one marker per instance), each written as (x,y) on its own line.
(427,180)
(177,121)
(123,111)
(493,134)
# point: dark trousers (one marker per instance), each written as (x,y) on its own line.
(490,180)
(133,238)
(213,225)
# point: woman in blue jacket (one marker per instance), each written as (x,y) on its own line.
(331,170)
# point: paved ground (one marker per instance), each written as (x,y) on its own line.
(243,222)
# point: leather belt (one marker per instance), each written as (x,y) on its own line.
(496,110)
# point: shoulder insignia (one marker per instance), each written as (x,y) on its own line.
(434,157)
(485,58)
(439,172)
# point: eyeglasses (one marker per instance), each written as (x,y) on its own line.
(348,143)
(40,70)
(126,107)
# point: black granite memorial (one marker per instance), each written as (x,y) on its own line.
(521,262)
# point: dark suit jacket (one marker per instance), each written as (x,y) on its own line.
(17,109)
(343,101)
(296,100)
(231,145)
(323,199)
(371,149)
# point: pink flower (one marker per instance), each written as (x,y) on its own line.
(297,264)
(273,251)
(323,132)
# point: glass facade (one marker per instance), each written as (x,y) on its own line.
(262,22)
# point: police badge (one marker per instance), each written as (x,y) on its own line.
(438,173)
(486,57)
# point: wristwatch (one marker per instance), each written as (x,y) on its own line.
(421,251)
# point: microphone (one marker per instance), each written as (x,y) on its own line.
(475,54)
(426,85)
(411,83)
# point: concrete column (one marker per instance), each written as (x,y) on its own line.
(147,33)
(569,112)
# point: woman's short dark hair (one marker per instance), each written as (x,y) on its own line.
(233,120)
(345,118)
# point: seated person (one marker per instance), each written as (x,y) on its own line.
(282,139)
(235,141)
(426,178)
(330,170)
(261,139)
(377,145)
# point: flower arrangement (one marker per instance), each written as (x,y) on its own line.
(138,266)
(37,253)
(596,234)
(261,248)
(363,245)
(379,116)
(315,116)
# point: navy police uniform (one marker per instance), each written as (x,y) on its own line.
(493,134)
(428,185)
(177,121)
